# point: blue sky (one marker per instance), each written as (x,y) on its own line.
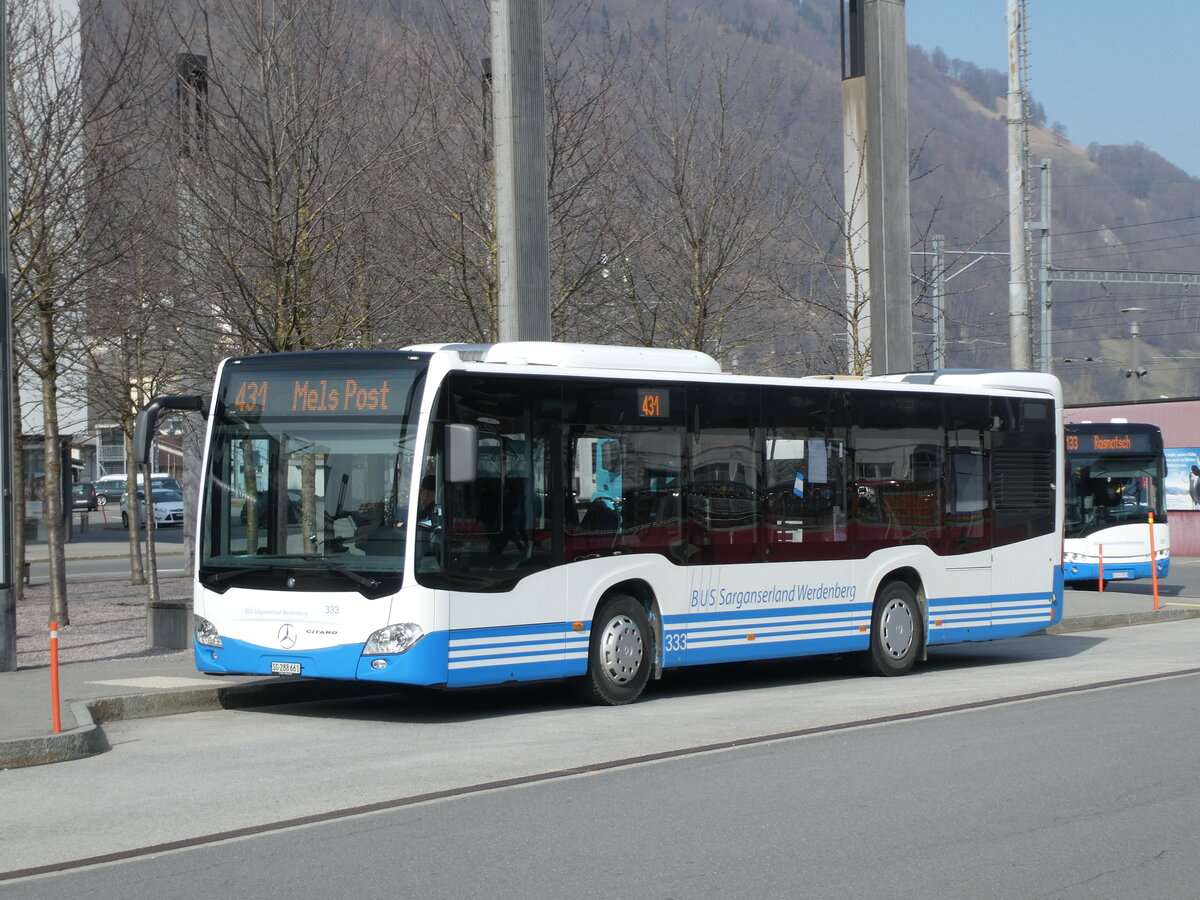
(1150,95)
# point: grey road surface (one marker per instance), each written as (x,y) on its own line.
(113,568)
(1085,795)
(186,777)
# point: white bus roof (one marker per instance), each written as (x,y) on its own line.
(581,356)
(979,379)
(693,362)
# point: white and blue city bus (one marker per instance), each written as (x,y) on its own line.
(467,515)
(1114,484)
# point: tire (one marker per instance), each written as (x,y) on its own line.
(102,500)
(897,631)
(124,520)
(620,653)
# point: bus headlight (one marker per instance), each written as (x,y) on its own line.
(206,633)
(393,639)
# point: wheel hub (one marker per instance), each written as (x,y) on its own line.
(621,647)
(898,629)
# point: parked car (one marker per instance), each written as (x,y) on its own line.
(112,488)
(83,496)
(168,508)
(164,481)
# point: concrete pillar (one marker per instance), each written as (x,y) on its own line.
(522,207)
(878,104)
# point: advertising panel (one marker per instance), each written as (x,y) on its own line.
(1182,485)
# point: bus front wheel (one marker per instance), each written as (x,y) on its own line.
(620,653)
(897,632)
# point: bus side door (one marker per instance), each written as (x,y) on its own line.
(507,594)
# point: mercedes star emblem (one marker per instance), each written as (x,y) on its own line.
(287,637)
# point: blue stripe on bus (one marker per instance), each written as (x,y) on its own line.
(739,635)
(698,638)
(956,619)
(517,653)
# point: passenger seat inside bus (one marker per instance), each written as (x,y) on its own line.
(600,516)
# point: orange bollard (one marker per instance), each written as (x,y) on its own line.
(1100,579)
(1153,563)
(55,715)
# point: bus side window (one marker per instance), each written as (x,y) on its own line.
(898,440)
(725,473)
(804,487)
(499,523)
(967,520)
(624,470)
(596,460)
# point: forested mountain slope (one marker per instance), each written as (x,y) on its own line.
(1115,208)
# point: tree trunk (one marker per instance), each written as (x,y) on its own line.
(18,494)
(151,556)
(52,499)
(137,574)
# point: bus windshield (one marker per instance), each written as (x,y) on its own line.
(309,477)
(1112,490)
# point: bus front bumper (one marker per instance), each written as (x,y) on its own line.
(423,664)
(1113,571)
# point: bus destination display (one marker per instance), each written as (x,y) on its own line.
(654,403)
(290,394)
(1109,442)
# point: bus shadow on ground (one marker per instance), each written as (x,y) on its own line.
(419,706)
(1005,652)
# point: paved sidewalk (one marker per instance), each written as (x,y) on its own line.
(107,672)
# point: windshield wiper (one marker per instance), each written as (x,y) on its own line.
(277,563)
(369,583)
(219,577)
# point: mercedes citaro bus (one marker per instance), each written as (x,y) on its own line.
(467,515)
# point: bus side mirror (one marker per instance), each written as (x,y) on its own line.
(462,451)
(147,422)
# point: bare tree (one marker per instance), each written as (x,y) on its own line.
(837,301)
(444,201)
(292,117)
(710,192)
(589,128)
(61,136)
(831,243)
(136,357)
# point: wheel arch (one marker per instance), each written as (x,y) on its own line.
(911,577)
(641,591)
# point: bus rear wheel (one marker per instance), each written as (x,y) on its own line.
(897,632)
(620,653)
